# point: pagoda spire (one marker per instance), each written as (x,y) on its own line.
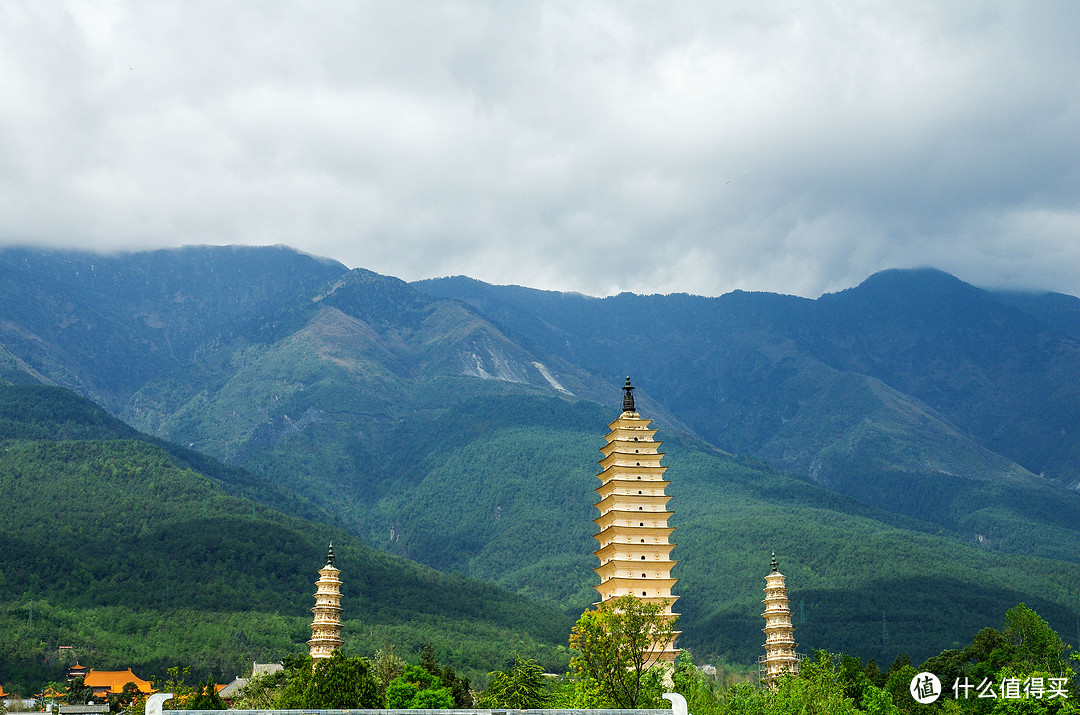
(628,396)
(326,625)
(780,656)
(635,550)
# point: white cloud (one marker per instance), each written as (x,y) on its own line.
(598,147)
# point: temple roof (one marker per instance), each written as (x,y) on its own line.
(232,690)
(115,680)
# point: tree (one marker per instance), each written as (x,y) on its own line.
(177,685)
(418,688)
(385,667)
(698,688)
(1036,643)
(853,678)
(873,672)
(428,661)
(207,698)
(79,693)
(458,687)
(124,699)
(898,686)
(948,665)
(262,692)
(337,682)
(819,688)
(615,648)
(521,687)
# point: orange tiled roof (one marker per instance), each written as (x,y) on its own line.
(2,693)
(115,680)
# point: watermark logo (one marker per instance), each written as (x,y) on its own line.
(1013,688)
(925,688)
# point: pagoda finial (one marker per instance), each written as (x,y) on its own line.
(775,567)
(628,397)
(330,555)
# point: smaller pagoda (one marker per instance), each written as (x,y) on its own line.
(326,626)
(780,656)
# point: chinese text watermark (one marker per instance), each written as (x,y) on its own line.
(926,688)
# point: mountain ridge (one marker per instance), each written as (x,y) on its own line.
(423,422)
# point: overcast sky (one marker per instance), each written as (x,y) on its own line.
(591,146)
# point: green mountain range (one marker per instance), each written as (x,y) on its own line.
(458,424)
(115,546)
(913,392)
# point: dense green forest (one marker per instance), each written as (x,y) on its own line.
(1024,667)
(112,547)
(103,325)
(499,487)
(913,392)
(458,425)
(853,570)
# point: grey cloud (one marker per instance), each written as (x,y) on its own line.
(597,147)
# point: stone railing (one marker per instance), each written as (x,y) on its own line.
(678,707)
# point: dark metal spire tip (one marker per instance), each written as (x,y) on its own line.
(330,555)
(775,567)
(628,396)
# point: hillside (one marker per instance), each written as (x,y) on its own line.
(329,391)
(913,392)
(458,424)
(104,324)
(135,560)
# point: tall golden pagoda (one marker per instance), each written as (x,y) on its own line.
(780,656)
(326,626)
(634,553)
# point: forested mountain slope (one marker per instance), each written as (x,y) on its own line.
(913,392)
(459,425)
(113,546)
(331,395)
(104,324)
